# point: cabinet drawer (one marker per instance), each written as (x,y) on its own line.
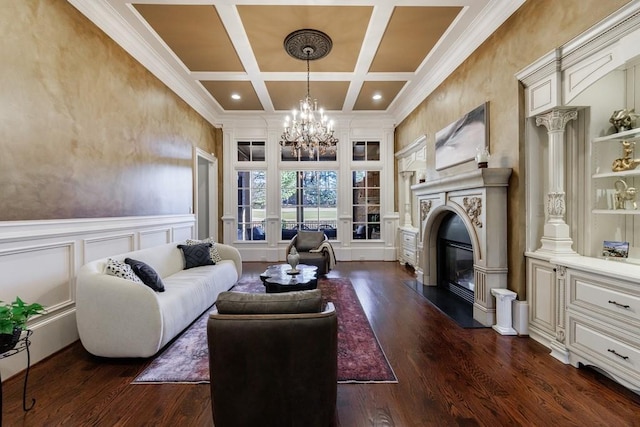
(408,255)
(607,299)
(610,349)
(408,239)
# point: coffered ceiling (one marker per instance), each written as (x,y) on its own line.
(226,57)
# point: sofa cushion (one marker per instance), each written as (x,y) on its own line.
(230,302)
(122,270)
(215,255)
(196,255)
(146,273)
(308,240)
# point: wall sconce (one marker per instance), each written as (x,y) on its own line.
(482,156)
(421,177)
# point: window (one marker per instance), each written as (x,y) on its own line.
(251,151)
(287,155)
(366,150)
(252,197)
(309,202)
(366,204)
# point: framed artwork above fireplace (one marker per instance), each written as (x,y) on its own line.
(458,142)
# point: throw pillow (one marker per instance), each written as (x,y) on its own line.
(122,270)
(146,273)
(196,255)
(295,302)
(215,255)
(308,240)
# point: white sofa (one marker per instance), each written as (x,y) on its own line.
(119,318)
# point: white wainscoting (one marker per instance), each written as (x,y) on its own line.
(39,261)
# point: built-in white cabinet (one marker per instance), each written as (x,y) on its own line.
(582,181)
(408,237)
(603,317)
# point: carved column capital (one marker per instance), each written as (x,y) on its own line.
(556,205)
(556,120)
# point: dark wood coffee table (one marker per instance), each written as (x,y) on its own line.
(276,279)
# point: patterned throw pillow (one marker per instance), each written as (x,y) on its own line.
(196,255)
(122,270)
(215,255)
(146,273)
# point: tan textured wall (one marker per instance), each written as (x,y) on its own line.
(85,130)
(489,76)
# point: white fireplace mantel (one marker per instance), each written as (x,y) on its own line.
(481,177)
(479,198)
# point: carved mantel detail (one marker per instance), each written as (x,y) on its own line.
(473,208)
(425,207)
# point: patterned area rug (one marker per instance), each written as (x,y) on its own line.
(360,356)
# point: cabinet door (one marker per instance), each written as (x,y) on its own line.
(542,297)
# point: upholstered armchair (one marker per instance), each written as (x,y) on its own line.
(273,359)
(314,249)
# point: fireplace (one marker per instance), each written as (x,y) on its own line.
(455,258)
(463,236)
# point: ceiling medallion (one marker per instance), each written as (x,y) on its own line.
(310,129)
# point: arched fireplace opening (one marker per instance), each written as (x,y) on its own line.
(455,258)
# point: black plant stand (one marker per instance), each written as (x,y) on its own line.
(22,345)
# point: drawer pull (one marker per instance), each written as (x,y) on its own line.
(617,354)
(617,304)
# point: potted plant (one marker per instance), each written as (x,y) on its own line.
(13,320)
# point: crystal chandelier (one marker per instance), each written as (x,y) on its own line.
(310,129)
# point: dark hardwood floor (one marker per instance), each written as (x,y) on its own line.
(447,376)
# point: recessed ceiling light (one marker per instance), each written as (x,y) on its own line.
(377,96)
(235,96)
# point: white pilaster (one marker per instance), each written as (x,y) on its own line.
(406,178)
(556,237)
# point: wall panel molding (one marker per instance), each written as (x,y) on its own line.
(40,260)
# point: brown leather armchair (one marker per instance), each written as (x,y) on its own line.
(273,360)
(306,242)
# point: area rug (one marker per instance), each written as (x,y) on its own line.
(360,356)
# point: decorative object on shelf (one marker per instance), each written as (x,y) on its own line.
(13,320)
(310,129)
(613,249)
(482,156)
(293,259)
(626,162)
(624,194)
(422,177)
(623,119)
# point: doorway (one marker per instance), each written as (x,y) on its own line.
(205,200)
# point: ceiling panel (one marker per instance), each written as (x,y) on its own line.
(222,91)
(411,34)
(287,95)
(195,34)
(386,90)
(267,27)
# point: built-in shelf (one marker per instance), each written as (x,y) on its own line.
(627,135)
(616,211)
(634,172)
